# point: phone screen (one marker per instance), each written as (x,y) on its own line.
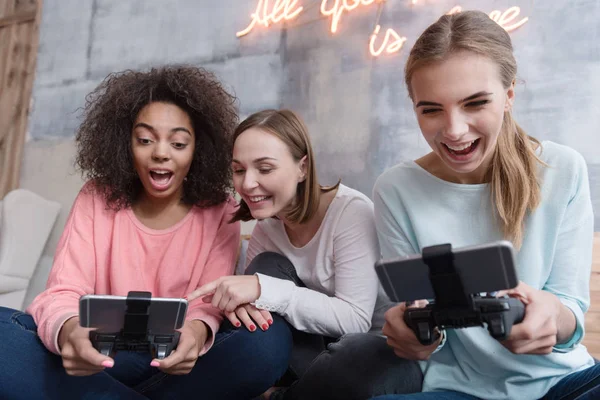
(483,268)
(107,313)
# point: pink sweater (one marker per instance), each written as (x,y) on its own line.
(107,252)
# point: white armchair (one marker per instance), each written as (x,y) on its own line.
(26,220)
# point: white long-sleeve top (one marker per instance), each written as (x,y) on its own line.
(336,265)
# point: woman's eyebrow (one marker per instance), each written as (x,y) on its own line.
(471,97)
(181,129)
(144,125)
(428,103)
(476,95)
(151,128)
(264,159)
(256,161)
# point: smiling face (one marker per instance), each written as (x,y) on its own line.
(460,104)
(265,174)
(162,143)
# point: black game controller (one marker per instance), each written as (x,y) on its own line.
(500,314)
(454,308)
(160,346)
(135,336)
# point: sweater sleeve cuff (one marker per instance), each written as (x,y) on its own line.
(442,342)
(579,330)
(275,293)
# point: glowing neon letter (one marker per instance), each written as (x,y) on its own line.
(339,6)
(281,10)
(454,10)
(504,18)
(501,18)
(394,46)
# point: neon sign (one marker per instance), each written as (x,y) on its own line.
(271,12)
(281,10)
(503,18)
(454,10)
(396,44)
(339,6)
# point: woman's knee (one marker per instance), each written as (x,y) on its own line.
(360,366)
(267,262)
(272,346)
(275,265)
(6,314)
(373,353)
(15,319)
(261,357)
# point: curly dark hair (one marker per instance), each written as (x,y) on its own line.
(103,140)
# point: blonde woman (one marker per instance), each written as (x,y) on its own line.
(311,260)
(486,179)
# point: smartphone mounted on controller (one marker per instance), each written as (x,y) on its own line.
(458,284)
(137,322)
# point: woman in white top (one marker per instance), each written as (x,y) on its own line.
(311,259)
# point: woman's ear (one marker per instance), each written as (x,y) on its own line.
(302,165)
(510,97)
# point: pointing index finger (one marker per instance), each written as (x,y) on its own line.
(208,288)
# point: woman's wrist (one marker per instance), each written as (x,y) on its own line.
(566,324)
(201,331)
(65,329)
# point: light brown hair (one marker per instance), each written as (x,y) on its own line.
(288,127)
(513,170)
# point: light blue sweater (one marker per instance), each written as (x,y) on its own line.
(414,209)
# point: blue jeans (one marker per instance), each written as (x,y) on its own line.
(356,366)
(582,385)
(240,365)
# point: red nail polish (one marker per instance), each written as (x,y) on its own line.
(265,327)
(237,324)
(252,328)
(185,297)
(270,321)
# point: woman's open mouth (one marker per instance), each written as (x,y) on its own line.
(257,200)
(160,180)
(461,152)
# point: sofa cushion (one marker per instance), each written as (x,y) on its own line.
(27,220)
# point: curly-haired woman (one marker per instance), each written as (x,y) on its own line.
(156,148)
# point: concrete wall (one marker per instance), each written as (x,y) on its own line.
(356,106)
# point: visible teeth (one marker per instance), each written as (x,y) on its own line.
(459,148)
(161,172)
(256,199)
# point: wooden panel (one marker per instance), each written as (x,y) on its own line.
(17,19)
(19,36)
(7,8)
(596,253)
(592,322)
(592,342)
(592,318)
(595,281)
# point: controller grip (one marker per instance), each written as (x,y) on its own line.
(103,343)
(162,346)
(420,321)
(518,310)
(500,328)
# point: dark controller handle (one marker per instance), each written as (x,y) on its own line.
(500,314)
(421,322)
(160,346)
